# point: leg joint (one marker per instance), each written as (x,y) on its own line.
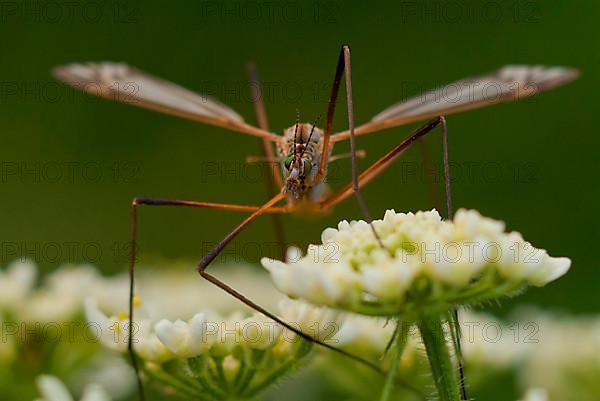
(140,200)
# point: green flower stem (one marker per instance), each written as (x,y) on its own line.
(184,389)
(271,378)
(239,376)
(400,334)
(442,366)
(201,369)
(303,347)
(221,373)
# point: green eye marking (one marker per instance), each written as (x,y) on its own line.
(288,161)
(307,166)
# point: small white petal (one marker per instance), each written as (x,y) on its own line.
(174,335)
(199,339)
(536,394)
(53,389)
(552,270)
(94,392)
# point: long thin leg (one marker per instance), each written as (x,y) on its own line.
(214,252)
(447,185)
(343,68)
(248,302)
(427,166)
(330,114)
(273,174)
(261,118)
(205,205)
(349,102)
(132,255)
(450,210)
(381,164)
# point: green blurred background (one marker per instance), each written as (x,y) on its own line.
(72,163)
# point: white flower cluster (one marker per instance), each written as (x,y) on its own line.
(564,359)
(59,297)
(16,283)
(47,314)
(548,351)
(177,292)
(168,330)
(61,294)
(230,355)
(424,262)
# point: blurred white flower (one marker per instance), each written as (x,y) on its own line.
(175,291)
(559,354)
(535,394)
(217,351)
(110,371)
(110,330)
(488,343)
(172,293)
(564,357)
(52,389)
(369,335)
(61,295)
(8,346)
(208,332)
(148,346)
(425,262)
(113,332)
(16,283)
(320,323)
(63,291)
(259,332)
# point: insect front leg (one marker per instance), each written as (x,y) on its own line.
(344,69)
(136,203)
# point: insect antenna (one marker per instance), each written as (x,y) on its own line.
(296,130)
(312,130)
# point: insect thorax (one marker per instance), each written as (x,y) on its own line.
(308,147)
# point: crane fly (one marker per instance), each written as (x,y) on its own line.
(304,150)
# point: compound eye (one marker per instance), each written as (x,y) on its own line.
(288,161)
(307,165)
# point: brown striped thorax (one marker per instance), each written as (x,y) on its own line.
(300,153)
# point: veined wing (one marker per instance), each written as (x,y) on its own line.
(126,84)
(509,83)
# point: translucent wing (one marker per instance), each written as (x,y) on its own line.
(126,84)
(509,83)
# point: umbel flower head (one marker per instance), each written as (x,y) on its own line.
(215,357)
(425,263)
